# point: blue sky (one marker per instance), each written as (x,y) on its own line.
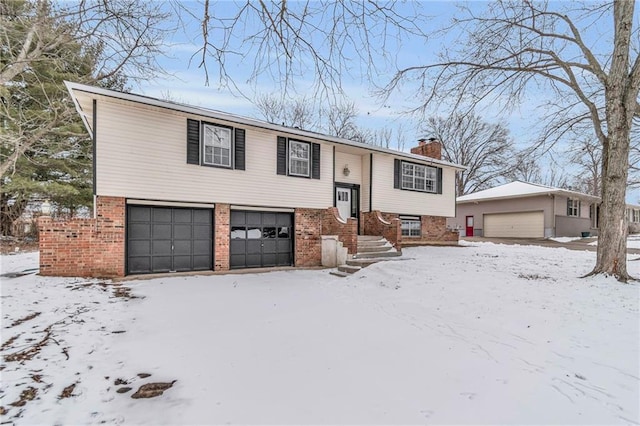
(186,82)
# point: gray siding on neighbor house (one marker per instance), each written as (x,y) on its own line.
(511,205)
(573,226)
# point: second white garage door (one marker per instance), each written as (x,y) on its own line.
(514,225)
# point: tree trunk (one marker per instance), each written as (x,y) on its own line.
(9,213)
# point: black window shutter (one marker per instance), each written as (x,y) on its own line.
(193,141)
(568,206)
(239,149)
(315,161)
(439,180)
(282,155)
(579,208)
(396,173)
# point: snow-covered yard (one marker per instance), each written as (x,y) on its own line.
(483,334)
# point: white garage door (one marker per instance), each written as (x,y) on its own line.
(514,225)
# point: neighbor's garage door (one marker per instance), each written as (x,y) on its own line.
(514,225)
(261,239)
(167,239)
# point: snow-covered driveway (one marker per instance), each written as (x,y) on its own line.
(489,334)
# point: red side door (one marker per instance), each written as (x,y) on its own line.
(469,226)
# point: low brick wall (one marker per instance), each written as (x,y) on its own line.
(222,238)
(347,232)
(85,247)
(383,224)
(308,243)
(434,228)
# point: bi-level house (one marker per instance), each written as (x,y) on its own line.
(183,188)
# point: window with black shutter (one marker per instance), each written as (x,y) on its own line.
(417,177)
(210,144)
(297,158)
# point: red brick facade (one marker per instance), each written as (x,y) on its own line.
(85,247)
(347,232)
(308,244)
(383,224)
(221,237)
(434,228)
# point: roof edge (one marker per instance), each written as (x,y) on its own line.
(211,113)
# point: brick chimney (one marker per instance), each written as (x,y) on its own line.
(428,148)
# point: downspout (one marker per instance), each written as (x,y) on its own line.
(93,142)
(553,197)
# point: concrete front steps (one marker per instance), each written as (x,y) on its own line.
(371,249)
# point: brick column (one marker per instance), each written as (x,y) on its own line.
(308,243)
(222,239)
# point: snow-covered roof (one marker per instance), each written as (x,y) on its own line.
(520,189)
(77,90)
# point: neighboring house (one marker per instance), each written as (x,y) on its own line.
(633,217)
(526,210)
(182,188)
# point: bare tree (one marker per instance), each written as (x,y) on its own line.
(518,46)
(124,36)
(485,148)
(299,112)
(587,155)
(318,41)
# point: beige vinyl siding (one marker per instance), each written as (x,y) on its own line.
(386,198)
(364,189)
(141,153)
(514,225)
(561,207)
(355,166)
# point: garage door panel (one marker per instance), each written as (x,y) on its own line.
(182,216)
(238,261)
(514,225)
(161,263)
(201,231)
(202,216)
(182,232)
(161,215)
(269,219)
(260,239)
(139,264)
(161,231)
(139,214)
(238,247)
(162,239)
(139,248)
(254,246)
(161,248)
(139,231)
(201,263)
(201,247)
(254,260)
(181,248)
(181,263)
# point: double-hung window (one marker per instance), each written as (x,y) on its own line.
(410,226)
(299,158)
(573,207)
(418,177)
(217,145)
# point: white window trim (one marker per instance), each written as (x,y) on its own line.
(205,144)
(574,207)
(307,160)
(412,221)
(427,169)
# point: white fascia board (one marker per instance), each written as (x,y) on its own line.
(215,114)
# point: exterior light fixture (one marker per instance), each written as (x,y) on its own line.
(45,208)
(346,170)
